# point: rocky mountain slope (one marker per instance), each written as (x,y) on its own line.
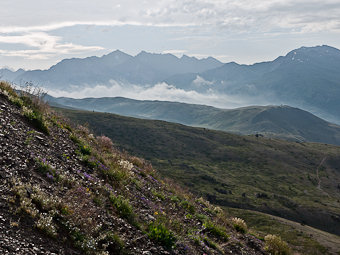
(271,121)
(65,191)
(250,172)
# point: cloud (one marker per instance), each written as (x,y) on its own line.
(161,92)
(250,15)
(58,25)
(42,46)
(174,52)
(199,81)
(233,15)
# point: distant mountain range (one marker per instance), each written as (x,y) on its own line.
(144,68)
(272,121)
(307,78)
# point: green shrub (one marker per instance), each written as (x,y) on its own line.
(43,167)
(276,246)
(36,118)
(216,230)
(85,149)
(162,235)
(74,139)
(7,88)
(175,199)
(158,194)
(123,208)
(88,161)
(49,171)
(201,217)
(188,206)
(115,174)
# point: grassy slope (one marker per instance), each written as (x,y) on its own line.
(303,238)
(272,121)
(267,175)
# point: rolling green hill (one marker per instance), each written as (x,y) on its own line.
(271,121)
(296,181)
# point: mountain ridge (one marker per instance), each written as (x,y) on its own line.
(306,78)
(273,121)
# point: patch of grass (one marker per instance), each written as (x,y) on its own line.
(75,139)
(44,168)
(162,235)
(85,149)
(215,230)
(175,199)
(276,246)
(123,208)
(210,243)
(36,118)
(188,206)
(158,194)
(201,217)
(261,224)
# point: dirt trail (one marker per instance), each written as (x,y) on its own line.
(317,173)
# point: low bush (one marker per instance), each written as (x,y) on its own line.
(239,225)
(162,235)
(123,208)
(276,246)
(215,230)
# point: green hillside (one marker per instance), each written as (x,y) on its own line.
(271,121)
(297,181)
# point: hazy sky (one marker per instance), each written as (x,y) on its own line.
(39,33)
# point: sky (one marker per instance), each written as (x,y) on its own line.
(36,34)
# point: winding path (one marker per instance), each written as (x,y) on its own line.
(317,173)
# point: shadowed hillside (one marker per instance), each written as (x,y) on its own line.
(271,121)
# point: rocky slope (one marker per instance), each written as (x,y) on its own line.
(63,191)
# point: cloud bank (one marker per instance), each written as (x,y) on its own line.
(161,92)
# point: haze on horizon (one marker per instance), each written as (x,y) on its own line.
(38,34)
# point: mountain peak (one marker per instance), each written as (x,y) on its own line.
(117,53)
(320,49)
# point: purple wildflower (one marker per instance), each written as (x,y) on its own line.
(87,176)
(49,176)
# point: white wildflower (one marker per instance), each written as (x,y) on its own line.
(125,164)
